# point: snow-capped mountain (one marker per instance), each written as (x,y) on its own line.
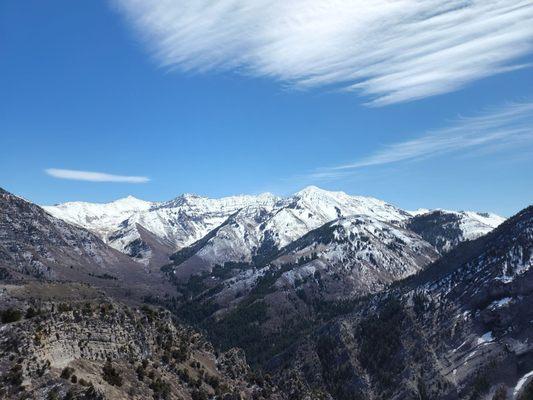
(344,259)
(445,229)
(184,220)
(249,228)
(100,218)
(313,286)
(257,232)
(364,252)
(313,207)
(175,223)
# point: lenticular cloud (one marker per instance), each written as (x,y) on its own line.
(388,51)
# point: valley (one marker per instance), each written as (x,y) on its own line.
(318,295)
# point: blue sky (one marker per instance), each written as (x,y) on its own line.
(93,86)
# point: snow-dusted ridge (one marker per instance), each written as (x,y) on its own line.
(489,219)
(257,221)
(445,229)
(101,218)
(366,253)
(178,222)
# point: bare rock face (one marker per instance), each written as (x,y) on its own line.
(70,340)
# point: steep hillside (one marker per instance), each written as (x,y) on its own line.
(446,229)
(263,307)
(256,233)
(66,341)
(360,253)
(461,329)
(35,245)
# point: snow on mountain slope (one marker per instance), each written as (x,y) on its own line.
(239,239)
(446,229)
(312,207)
(343,259)
(257,232)
(100,218)
(355,254)
(495,260)
(260,225)
(188,218)
(466,316)
(419,211)
(184,220)
(475,223)
(176,223)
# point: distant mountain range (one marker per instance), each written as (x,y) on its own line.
(335,296)
(248,226)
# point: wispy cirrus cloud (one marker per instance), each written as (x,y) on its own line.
(92,176)
(389,51)
(509,126)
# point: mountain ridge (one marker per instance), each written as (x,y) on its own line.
(363,305)
(460,329)
(188,218)
(34,245)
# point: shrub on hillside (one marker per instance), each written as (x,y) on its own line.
(111,375)
(10,315)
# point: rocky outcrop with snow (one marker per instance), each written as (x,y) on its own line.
(446,229)
(257,232)
(355,255)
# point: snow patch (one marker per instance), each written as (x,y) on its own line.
(485,338)
(500,303)
(521,382)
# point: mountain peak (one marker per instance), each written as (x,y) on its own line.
(181,200)
(187,197)
(311,189)
(316,191)
(131,200)
(190,196)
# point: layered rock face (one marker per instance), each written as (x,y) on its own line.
(70,341)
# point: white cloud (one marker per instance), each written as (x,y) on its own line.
(506,127)
(387,50)
(93,176)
